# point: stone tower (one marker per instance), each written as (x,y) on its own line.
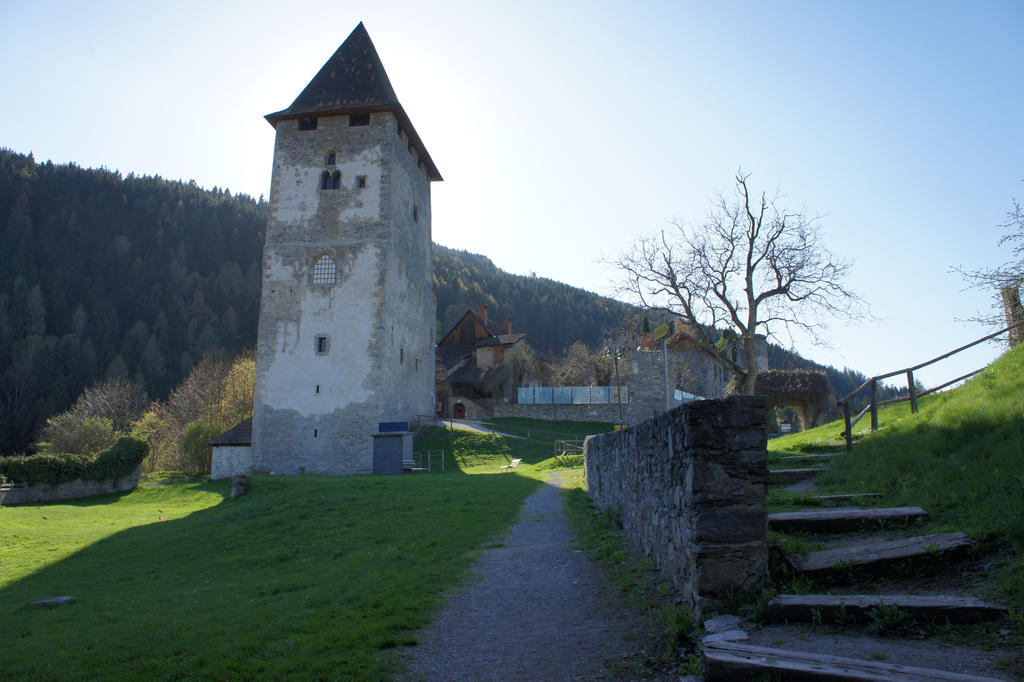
(346,325)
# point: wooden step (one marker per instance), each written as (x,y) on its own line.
(790,475)
(874,553)
(840,520)
(732,661)
(845,497)
(799,459)
(830,608)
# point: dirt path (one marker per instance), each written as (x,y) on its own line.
(478,427)
(535,608)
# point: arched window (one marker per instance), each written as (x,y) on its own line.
(325,272)
(332,158)
(325,180)
(336,180)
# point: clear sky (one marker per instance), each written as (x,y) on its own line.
(564,129)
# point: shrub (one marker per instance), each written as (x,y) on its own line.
(56,468)
(76,434)
(197,454)
(213,398)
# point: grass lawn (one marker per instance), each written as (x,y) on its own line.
(475,452)
(301,578)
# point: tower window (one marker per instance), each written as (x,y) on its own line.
(415,213)
(355,120)
(325,180)
(401,356)
(361,181)
(336,180)
(323,344)
(332,158)
(307,124)
(325,272)
(318,389)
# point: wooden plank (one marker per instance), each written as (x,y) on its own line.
(797,459)
(879,552)
(840,520)
(831,608)
(732,661)
(845,497)
(54,601)
(787,475)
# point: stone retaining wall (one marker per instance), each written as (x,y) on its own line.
(45,492)
(689,486)
(607,412)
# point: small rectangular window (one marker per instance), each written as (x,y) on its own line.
(318,388)
(307,124)
(361,181)
(415,213)
(355,120)
(315,433)
(322,346)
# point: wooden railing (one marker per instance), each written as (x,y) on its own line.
(872,385)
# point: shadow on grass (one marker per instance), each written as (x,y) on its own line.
(302,577)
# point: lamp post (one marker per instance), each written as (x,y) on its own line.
(615,355)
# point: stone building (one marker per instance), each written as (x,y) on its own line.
(691,373)
(691,368)
(346,325)
(472,371)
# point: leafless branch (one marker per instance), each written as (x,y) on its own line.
(751,266)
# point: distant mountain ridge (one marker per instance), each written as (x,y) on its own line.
(110,275)
(553,314)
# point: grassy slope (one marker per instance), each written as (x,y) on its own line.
(484,453)
(961,457)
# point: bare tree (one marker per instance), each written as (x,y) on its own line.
(117,399)
(752,268)
(1005,280)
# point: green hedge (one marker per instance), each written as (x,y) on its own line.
(120,460)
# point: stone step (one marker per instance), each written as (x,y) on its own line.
(831,608)
(732,661)
(841,520)
(790,475)
(875,553)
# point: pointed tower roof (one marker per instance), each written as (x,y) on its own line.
(353,81)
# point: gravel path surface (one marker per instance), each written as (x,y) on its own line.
(534,609)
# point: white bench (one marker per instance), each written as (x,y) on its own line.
(510,466)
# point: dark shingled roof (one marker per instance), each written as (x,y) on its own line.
(241,434)
(477,376)
(353,81)
(449,355)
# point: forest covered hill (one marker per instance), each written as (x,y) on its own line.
(105,275)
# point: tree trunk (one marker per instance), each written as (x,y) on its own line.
(749,383)
(1014,312)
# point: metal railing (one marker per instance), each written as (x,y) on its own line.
(872,385)
(566,451)
(572,395)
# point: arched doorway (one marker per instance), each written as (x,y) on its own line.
(459,411)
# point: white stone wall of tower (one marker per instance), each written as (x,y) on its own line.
(411,308)
(317,412)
